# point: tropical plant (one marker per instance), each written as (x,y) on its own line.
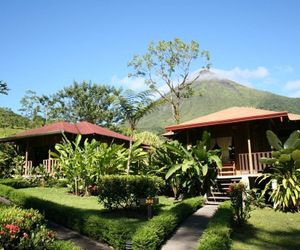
(84,162)
(76,162)
(134,106)
(189,171)
(11,163)
(148,138)
(240,202)
(284,172)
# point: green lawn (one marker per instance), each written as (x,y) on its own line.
(61,196)
(268,229)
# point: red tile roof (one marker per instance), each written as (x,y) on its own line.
(83,128)
(232,115)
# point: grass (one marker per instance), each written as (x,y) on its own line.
(268,229)
(90,205)
(61,196)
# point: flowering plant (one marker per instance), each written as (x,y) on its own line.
(23,229)
(239,201)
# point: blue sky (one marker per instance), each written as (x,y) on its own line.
(46,45)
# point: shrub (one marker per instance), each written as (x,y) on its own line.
(23,229)
(124,191)
(18,183)
(156,230)
(217,233)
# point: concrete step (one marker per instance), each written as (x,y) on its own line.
(218,198)
(213,203)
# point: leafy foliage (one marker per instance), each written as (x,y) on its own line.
(117,191)
(168,63)
(84,162)
(86,101)
(3,88)
(31,108)
(190,172)
(284,172)
(10,162)
(148,138)
(23,229)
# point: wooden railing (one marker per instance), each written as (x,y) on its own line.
(27,168)
(257,165)
(49,163)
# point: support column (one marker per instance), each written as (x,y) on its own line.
(250,157)
(26,172)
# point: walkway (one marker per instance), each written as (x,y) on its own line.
(187,235)
(63,233)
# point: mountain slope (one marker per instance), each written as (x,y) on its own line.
(215,94)
(11,123)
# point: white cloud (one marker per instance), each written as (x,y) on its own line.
(292,85)
(243,76)
(135,84)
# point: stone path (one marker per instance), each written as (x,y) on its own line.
(84,242)
(188,233)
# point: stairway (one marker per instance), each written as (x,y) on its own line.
(218,192)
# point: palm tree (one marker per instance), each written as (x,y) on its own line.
(134,106)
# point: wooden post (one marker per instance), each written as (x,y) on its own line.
(250,156)
(26,172)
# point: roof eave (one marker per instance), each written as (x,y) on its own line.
(204,124)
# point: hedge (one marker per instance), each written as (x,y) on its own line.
(114,232)
(17,183)
(156,231)
(217,234)
(125,191)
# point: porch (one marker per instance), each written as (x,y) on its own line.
(49,165)
(247,164)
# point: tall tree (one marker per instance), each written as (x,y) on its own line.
(31,108)
(133,106)
(167,65)
(3,88)
(86,101)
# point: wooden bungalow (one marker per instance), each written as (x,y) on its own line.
(35,144)
(241,134)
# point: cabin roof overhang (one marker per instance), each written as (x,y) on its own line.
(230,116)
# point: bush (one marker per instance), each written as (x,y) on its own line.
(18,183)
(217,234)
(124,191)
(23,229)
(156,230)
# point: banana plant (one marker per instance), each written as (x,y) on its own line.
(189,171)
(284,171)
